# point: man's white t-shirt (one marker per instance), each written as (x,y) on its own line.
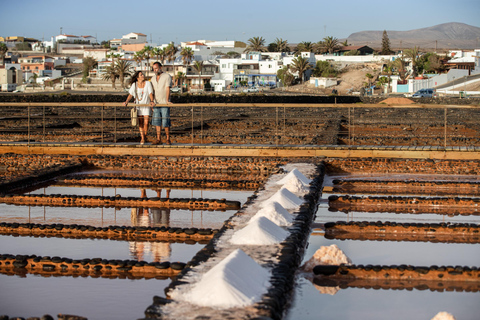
(161,86)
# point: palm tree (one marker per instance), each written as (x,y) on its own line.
(300,65)
(399,64)
(279,45)
(233,54)
(305,46)
(345,43)
(110,74)
(179,77)
(160,54)
(319,47)
(3,51)
(413,54)
(138,57)
(171,54)
(198,66)
(124,69)
(256,44)
(33,79)
(330,43)
(187,56)
(147,54)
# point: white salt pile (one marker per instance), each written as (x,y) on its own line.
(286,198)
(237,281)
(275,213)
(443,316)
(295,174)
(259,231)
(330,255)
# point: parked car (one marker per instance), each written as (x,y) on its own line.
(251,89)
(424,93)
(176,89)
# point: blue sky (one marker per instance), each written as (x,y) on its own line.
(165,21)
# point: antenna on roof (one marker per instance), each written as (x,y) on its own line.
(61,30)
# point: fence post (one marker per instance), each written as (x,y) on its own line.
(349,124)
(276,127)
(103,104)
(192,124)
(284,122)
(115,124)
(43,123)
(445,127)
(28,125)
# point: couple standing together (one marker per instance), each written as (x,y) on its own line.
(156,91)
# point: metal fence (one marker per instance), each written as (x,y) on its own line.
(249,123)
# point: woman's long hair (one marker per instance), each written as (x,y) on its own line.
(134,77)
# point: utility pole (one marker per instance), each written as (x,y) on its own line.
(61,30)
(435,46)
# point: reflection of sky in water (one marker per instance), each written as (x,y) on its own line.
(92,248)
(106,299)
(356,303)
(232,195)
(104,217)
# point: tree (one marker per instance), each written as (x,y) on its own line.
(345,43)
(430,62)
(233,54)
(354,52)
(279,45)
(399,64)
(33,79)
(413,55)
(179,77)
(88,64)
(160,54)
(385,44)
(187,56)
(319,47)
(285,76)
(256,44)
(330,44)
(300,65)
(198,66)
(123,69)
(138,57)
(324,69)
(110,74)
(305,46)
(171,51)
(369,77)
(147,54)
(3,51)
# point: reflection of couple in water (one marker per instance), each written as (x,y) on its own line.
(160,217)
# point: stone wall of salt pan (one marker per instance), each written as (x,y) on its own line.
(286,198)
(331,255)
(259,231)
(276,213)
(237,281)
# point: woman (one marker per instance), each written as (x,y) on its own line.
(142,91)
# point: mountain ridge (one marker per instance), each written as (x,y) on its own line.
(446,35)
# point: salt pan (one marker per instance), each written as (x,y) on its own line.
(259,231)
(295,174)
(275,213)
(330,255)
(286,198)
(237,281)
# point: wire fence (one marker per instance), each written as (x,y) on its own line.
(248,123)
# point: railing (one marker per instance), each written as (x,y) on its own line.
(249,123)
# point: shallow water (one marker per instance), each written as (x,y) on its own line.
(94,298)
(99,298)
(357,303)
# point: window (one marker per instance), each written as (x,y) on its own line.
(224,66)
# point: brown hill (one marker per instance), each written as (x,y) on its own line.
(447,36)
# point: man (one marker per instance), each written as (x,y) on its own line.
(161,115)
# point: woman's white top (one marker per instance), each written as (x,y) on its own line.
(142,97)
